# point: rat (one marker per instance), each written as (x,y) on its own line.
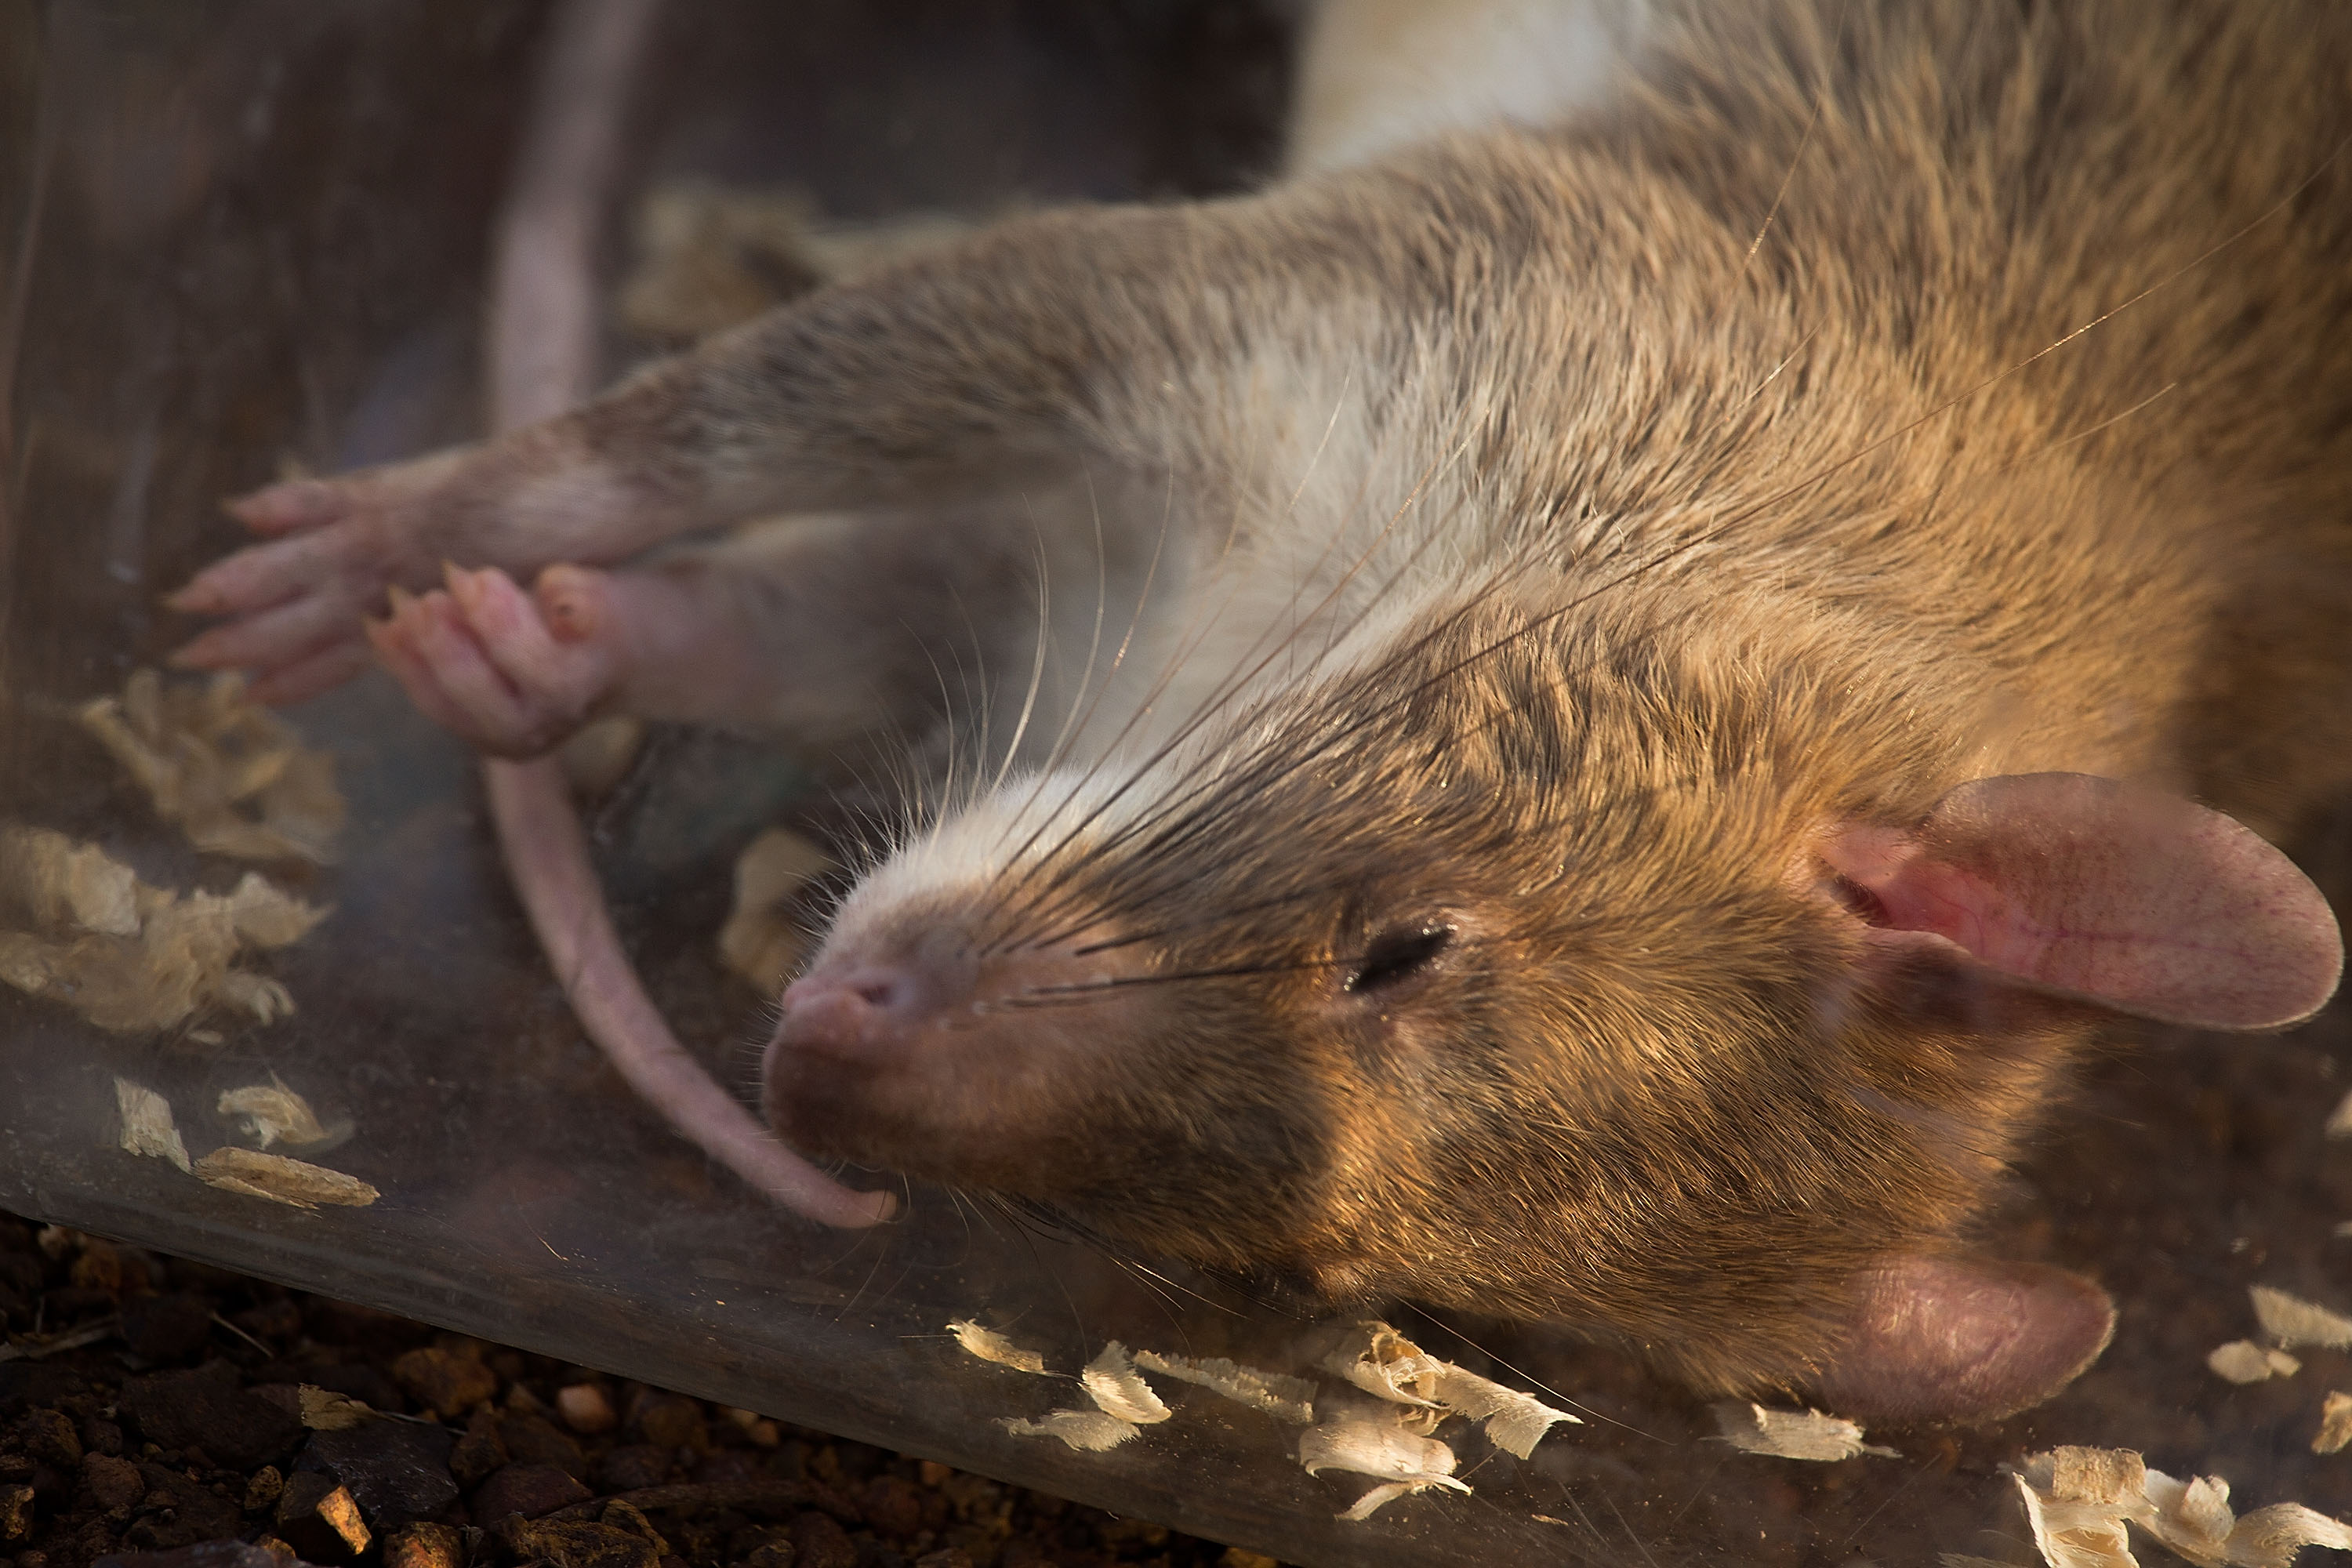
(1614,684)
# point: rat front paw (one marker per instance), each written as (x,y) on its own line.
(293,602)
(512,673)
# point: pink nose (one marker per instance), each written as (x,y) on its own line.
(846,1008)
(861,1006)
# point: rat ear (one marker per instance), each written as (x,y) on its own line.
(1963,1338)
(2088,888)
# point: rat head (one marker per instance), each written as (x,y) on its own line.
(1596,967)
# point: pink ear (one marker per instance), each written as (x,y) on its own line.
(2093,889)
(1963,1338)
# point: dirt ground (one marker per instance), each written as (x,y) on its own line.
(175,1415)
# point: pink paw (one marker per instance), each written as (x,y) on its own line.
(513,673)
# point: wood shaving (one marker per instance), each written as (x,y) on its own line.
(281,1180)
(175,955)
(324,1410)
(1792,1434)
(2292,1320)
(1379,1497)
(274,1113)
(234,775)
(61,886)
(2334,1424)
(1089,1431)
(1378,1446)
(2340,1120)
(2079,1500)
(147,1126)
(763,938)
(990,1345)
(2243,1360)
(1112,1383)
(1286,1398)
(1389,1366)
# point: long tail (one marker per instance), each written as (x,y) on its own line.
(542,362)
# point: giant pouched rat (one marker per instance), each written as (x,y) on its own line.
(1614,681)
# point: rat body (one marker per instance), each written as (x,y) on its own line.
(1618,692)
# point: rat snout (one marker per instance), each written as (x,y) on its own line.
(865,1003)
(909,1046)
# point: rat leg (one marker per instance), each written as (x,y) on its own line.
(834,630)
(1071,339)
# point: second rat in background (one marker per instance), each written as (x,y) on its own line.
(1619,689)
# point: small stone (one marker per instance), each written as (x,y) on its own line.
(263,1487)
(114,1486)
(481,1451)
(577,1544)
(533,1439)
(634,1466)
(25,1384)
(819,1542)
(178,1511)
(166,1327)
(318,1516)
(424,1546)
(945,1557)
(443,1380)
(17,1512)
(100,1436)
(529,1491)
(730,1466)
(398,1470)
(672,1421)
(586,1408)
(1237,1557)
(208,1409)
(49,1436)
(893,1506)
(622,1516)
(935,1474)
(769,1554)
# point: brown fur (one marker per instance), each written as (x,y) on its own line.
(1703,543)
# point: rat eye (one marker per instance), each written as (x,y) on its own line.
(1397,954)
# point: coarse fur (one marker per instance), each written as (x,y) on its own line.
(1546,540)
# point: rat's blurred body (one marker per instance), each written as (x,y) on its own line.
(1588,819)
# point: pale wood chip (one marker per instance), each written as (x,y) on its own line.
(990,1346)
(2292,1320)
(1792,1434)
(1112,1383)
(1090,1431)
(281,1180)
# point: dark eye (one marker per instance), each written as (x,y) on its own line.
(1397,954)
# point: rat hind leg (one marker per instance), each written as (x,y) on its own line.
(514,671)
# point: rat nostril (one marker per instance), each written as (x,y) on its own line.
(879,991)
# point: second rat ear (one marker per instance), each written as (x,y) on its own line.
(1961,1338)
(2087,887)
